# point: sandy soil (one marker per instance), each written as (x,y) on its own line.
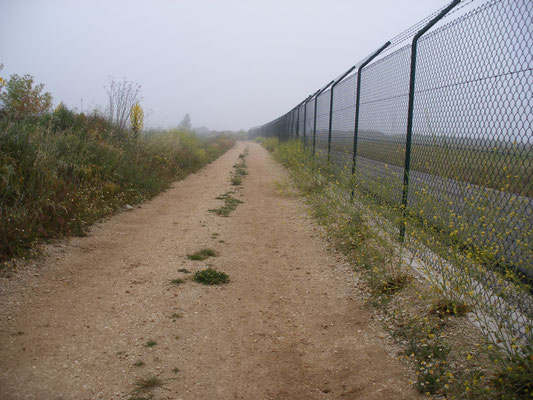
(289,325)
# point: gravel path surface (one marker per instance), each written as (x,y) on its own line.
(289,325)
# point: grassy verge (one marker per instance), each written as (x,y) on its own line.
(450,357)
(62,171)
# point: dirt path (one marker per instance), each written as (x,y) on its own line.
(289,325)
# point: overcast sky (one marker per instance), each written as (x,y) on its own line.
(231,64)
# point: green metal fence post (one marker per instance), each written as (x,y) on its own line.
(298,121)
(357,107)
(410,111)
(331,107)
(314,123)
(305,115)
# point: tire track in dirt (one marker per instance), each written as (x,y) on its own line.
(289,325)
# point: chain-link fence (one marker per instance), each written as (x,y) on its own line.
(438,121)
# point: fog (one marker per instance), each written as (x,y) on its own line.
(230,64)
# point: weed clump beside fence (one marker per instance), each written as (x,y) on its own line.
(61,171)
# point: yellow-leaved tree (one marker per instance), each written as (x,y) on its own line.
(2,82)
(136,119)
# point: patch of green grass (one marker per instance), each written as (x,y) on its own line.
(175,316)
(223,196)
(230,204)
(236,180)
(150,343)
(472,165)
(202,254)
(147,384)
(211,276)
(184,270)
(177,281)
(138,363)
(240,169)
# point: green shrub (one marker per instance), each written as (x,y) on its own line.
(211,276)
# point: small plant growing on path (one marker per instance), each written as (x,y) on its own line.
(238,174)
(239,170)
(150,343)
(175,316)
(177,281)
(236,180)
(202,254)
(143,385)
(230,204)
(211,276)
(139,363)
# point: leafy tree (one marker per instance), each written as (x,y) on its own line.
(20,98)
(185,123)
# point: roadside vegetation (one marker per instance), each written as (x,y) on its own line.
(60,170)
(459,345)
